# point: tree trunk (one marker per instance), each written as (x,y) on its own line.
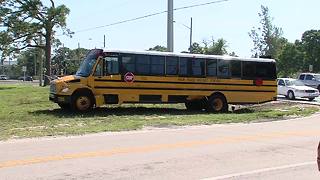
(48,57)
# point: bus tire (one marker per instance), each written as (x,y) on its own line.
(217,103)
(82,101)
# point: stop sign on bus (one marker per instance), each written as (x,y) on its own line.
(129,77)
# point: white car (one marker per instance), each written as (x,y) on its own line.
(292,88)
(3,77)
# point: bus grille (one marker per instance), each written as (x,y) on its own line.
(52,88)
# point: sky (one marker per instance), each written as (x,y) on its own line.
(231,20)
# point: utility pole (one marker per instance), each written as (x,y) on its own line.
(170,27)
(190,47)
(78,54)
(104,41)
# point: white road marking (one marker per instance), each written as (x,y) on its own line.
(235,175)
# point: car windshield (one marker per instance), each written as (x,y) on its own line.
(294,83)
(87,65)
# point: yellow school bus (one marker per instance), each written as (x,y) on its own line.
(202,82)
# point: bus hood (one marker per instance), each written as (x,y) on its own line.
(67,79)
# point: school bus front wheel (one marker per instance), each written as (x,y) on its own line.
(82,101)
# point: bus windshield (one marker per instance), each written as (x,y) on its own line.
(87,65)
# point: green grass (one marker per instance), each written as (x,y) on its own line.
(25,111)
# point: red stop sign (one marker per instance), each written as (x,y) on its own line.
(129,77)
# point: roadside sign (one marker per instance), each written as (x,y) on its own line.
(310,68)
(24,68)
(129,77)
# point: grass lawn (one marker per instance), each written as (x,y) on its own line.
(25,111)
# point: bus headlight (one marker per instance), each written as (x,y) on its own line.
(65,90)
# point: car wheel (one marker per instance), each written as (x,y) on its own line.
(290,95)
(311,99)
(318,87)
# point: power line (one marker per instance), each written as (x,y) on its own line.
(150,15)
(203,4)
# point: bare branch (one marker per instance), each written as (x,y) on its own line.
(35,46)
(52,3)
(24,47)
(17,38)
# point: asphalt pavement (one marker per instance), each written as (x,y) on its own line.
(269,150)
(12,81)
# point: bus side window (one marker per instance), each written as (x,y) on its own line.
(128,64)
(157,65)
(112,64)
(143,64)
(211,67)
(198,67)
(223,68)
(171,65)
(236,69)
(183,66)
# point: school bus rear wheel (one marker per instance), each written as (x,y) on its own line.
(217,103)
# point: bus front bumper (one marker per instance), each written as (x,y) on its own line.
(60,99)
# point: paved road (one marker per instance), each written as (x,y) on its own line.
(11,81)
(270,150)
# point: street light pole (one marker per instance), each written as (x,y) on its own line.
(190,29)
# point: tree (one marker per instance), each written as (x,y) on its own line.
(290,60)
(26,22)
(196,48)
(310,43)
(267,38)
(218,47)
(28,58)
(212,47)
(67,61)
(158,48)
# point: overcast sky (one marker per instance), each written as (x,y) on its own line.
(231,20)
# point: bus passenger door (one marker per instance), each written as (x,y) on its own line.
(106,71)
(107,78)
